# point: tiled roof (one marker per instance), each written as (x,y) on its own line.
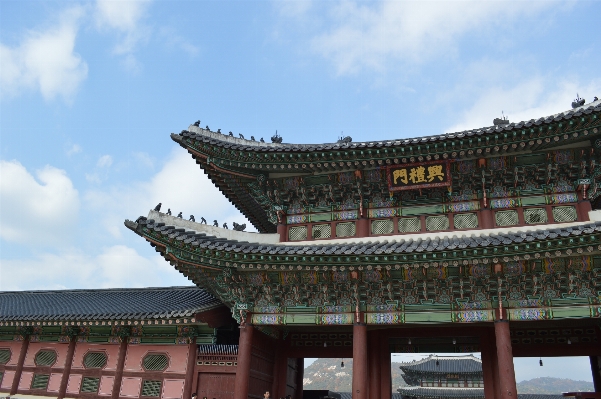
(104,304)
(348,395)
(446,364)
(434,392)
(371,245)
(226,141)
(213,349)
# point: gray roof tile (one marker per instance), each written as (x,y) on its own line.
(123,303)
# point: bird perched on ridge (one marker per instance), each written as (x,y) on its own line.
(169,211)
(158,207)
(203,220)
(225,226)
(179,215)
(192,218)
(215,223)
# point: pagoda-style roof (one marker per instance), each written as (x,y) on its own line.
(105,304)
(434,364)
(442,277)
(239,251)
(252,174)
(440,392)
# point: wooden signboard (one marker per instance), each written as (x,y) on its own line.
(419,175)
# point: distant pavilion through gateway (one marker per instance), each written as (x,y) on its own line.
(487,240)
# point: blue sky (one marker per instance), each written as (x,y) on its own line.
(90,91)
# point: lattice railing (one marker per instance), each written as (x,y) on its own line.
(40,381)
(535,215)
(322,231)
(151,388)
(564,213)
(506,218)
(435,223)
(410,225)
(90,384)
(347,229)
(382,227)
(298,233)
(465,221)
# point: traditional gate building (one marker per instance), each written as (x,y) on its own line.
(479,241)
(485,241)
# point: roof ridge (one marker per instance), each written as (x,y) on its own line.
(92,290)
(275,146)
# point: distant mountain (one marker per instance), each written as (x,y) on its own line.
(327,374)
(551,386)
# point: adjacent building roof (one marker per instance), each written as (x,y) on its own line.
(435,392)
(101,304)
(441,393)
(444,365)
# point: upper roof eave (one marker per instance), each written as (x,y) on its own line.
(249,145)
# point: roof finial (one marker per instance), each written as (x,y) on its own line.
(578,102)
(276,138)
(344,140)
(501,121)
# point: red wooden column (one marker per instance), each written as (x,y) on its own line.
(374,365)
(280,372)
(488,350)
(19,370)
(67,370)
(385,367)
(596,370)
(360,382)
(300,374)
(119,371)
(362,229)
(244,357)
(281,229)
(507,385)
(190,369)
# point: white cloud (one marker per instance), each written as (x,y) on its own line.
(528,99)
(115,266)
(124,18)
(45,60)
(173,40)
(180,185)
(372,35)
(101,170)
(34,211)
(73,149)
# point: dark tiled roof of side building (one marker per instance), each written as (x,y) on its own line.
(104,304)
(446,364)
(475,393)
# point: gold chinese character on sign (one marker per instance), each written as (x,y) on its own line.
(435,171)
(417,175)
(400,174)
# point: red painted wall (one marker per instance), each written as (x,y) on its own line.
(35,347)
(178,357)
